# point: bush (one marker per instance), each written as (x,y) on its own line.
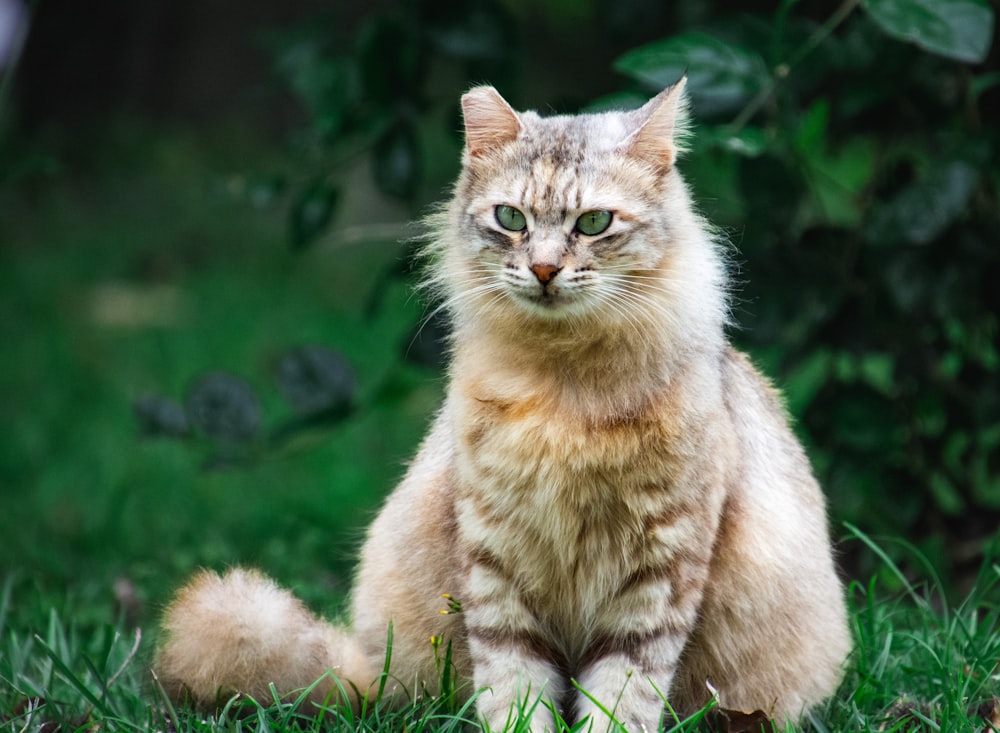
(851,161)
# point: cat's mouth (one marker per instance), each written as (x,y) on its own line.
(546,301)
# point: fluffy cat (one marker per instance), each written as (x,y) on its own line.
(610,491)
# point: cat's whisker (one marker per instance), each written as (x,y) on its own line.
(644,306)
(608,300)
(449,304)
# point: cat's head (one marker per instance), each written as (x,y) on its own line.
(561,217)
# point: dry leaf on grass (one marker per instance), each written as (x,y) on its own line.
(722,720)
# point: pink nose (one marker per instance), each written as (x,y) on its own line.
(545,273)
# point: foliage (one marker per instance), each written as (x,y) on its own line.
(867,240)
(850,159)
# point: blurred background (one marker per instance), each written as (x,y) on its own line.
(210,348)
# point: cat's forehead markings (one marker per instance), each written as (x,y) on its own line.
(551,185)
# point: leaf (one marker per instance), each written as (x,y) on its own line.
(391,58)
(470,31)
(721,76)
(160,416)
(957,29)
(316,379)
(877,370)
(946,495)
(312,212)
(427,344)
(224,407)
(748,141)
(836,177)
(924,209)
(723,720)
(805,379)
(396,162)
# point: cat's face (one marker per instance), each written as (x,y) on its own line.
(564,216)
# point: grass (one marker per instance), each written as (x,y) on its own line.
(99,525)
(918,664)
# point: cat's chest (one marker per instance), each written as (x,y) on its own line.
(534,442)
(566,503)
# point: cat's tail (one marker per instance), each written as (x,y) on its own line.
(241,633)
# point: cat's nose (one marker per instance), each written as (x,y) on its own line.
(545,273)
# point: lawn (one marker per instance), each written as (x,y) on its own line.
(173,262)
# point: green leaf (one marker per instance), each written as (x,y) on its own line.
(748,141)
(958,29)
(312,212)
(877,370)
(396,162)
(804,381)
(836,177)
(949,500)
(721,76)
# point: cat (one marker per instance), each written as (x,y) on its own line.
(610,495)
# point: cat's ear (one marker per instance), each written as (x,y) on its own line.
(661,127)
(489,121)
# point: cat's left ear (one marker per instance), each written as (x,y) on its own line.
(661,127)
(489,121)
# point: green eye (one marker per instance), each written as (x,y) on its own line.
(593,222)
(511,219)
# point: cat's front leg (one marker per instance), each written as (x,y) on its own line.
(514,665)
(513,681)
(630,661)
(628,676)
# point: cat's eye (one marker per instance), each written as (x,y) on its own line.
(593,222)
(511,219)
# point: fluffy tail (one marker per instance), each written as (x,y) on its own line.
(241,633)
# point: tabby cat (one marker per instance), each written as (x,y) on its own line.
(611,494)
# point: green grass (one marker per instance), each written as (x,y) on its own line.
(919,664)
(85,504)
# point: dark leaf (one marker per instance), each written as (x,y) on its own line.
(225,408)
(428,344)
(396,162)
(391,58)
(924,209)
(325,85)
(990,712)
(312,212)
(721,76)
(316,379)
(473,31)
(160,416)
(722,720)
(958,29)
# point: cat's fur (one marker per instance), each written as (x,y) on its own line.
(610,491)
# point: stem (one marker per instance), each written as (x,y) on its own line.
(820,34)
(782,70)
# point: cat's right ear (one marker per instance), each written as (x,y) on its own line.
(489,121)
(662,127)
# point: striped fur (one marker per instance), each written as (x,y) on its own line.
(611,492)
